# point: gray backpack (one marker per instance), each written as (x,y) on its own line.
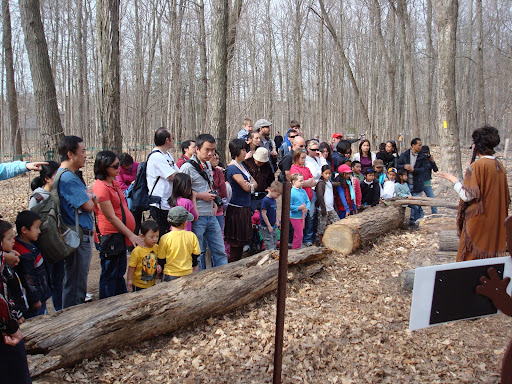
(57,239)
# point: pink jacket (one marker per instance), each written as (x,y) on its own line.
(126,177)
(357,190)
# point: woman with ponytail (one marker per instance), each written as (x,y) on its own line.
(484,200)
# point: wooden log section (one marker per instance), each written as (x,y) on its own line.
(88,330)
(448,241)
(349,234)
(424,201)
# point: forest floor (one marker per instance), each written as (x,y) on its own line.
(347,324)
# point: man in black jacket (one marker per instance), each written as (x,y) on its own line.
(416,164)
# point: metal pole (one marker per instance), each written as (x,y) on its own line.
(281,282)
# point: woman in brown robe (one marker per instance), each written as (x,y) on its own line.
(484,202)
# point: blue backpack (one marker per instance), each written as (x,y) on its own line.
(140,194)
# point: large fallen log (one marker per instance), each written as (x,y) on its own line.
(349,234)
(424,201)
(86,331)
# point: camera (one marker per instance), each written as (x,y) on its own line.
(217,200)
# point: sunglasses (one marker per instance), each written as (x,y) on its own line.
(315,149)
(114,166)
(292,137)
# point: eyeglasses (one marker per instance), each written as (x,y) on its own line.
(114,166)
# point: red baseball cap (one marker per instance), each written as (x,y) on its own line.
(337,136)
(344,168)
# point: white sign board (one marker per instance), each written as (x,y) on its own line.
(444,293)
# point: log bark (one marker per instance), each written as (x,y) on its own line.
(448,241)
(351,233)
(85,331)
(425,201)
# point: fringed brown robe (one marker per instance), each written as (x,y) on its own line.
(481,221)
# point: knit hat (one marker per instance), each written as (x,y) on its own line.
(178,215)
(344,168)
(378,163)
(261,155)
(261,123)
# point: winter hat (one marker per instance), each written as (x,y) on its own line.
(261,155)
(378,163)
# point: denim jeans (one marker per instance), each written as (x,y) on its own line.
(56,273)
(309,229)
(416,210)
(112,281)
(429,191)
(76,269)
(209,233)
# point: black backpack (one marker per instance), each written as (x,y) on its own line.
(140,194)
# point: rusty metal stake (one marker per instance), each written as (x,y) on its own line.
(281,282)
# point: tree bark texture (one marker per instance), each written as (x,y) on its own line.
(445,14)
(107,35)
(351,233)
(12,97)
(219,76)
(480,89)
(425,202)
(85,331)
(448,241)
(47,111)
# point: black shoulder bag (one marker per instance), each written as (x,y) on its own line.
(112,244)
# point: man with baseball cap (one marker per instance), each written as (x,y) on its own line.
(263,127)
(335,140)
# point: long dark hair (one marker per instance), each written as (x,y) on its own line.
(181,187)
(323,145)
(369,149)
(393,143)
(47,170)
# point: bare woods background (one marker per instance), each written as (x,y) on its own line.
(336,66)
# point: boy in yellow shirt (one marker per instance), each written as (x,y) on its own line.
(143,265)
(179,249)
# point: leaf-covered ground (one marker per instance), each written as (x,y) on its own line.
(347,324)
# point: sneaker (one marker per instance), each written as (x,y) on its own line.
(88,297)
(308,244)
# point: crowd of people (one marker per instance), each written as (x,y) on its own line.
(198,204)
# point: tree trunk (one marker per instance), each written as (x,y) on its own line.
(45,95)
(85,331)
(425,202)
(445,14)
(81,69)
(12,97)
(480,90)
(347,235)
(219,65)
(203,65)
(107,31)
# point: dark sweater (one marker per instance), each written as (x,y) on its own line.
(370,192)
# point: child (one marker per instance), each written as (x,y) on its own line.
(269,215)
(380,176)
(346,201)
(179,249)
(32,268)
(325,201)
(13,356)
(370,189)
(182,195)
(299,207)
(356,171)
(143,265)
(388,191)
(401,187)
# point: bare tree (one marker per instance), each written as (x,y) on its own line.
(482,118)
(12,98)
(219,66)
(107,34)
(44,85)
(445,14)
